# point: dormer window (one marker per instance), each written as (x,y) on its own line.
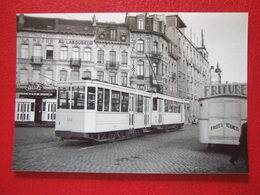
(140,24)
(155,26)
(112,34)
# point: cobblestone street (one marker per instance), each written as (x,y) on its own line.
(37,149)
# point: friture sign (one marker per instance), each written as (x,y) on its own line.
(236,89)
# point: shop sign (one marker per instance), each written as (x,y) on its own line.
(228,89)
(76,42)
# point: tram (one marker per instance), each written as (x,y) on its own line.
(102,111)
(223,110)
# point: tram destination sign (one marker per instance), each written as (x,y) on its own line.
(234,89)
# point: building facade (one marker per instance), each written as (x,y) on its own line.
(147,52)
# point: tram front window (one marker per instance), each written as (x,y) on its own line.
(63,97)
(91,98)
(78,97)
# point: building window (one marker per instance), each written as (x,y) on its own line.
(37,50)
(49,52)
(124,58)
(140,68)
(112,58)
(155,47)
(140,46)
(87,54)
(124,78)
(48,77)
(75,52)
(112,34)
(63,75)
(155,26)
(86,75)
(162,69)
(112,77)
(25,51)
(100,56)
(63,53)
(24,77)
(36,76)
(74,75)
(100,75)
(140,24)
(155,68)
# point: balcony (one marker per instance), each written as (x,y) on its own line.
(156,55)
(157,80)
(174,56)
(36,60)
(112,65)
(75,62)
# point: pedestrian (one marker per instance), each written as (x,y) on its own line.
(242,148)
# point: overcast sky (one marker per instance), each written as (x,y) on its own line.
(225,37)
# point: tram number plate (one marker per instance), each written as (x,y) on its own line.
(69,119)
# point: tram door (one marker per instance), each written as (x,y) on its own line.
(131,111)
(160,111)
(146,112)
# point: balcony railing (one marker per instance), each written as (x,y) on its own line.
(75,62)
(36,60)
(156,55)
(112,65)
(174,56)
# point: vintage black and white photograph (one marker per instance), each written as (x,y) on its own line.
(153,93)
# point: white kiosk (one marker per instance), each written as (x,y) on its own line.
(223,110)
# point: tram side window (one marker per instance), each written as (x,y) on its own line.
(115,101)
(140,103)
(124,102)
(170,106)
(166,103)
(63,97)
(78,98)
(91,98)
(155,100)
(100,99)
(106,101)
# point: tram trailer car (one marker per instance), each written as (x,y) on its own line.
(223,110)
(168,112)
(102,111)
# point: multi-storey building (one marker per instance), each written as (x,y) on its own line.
(153,63)
(147,52)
